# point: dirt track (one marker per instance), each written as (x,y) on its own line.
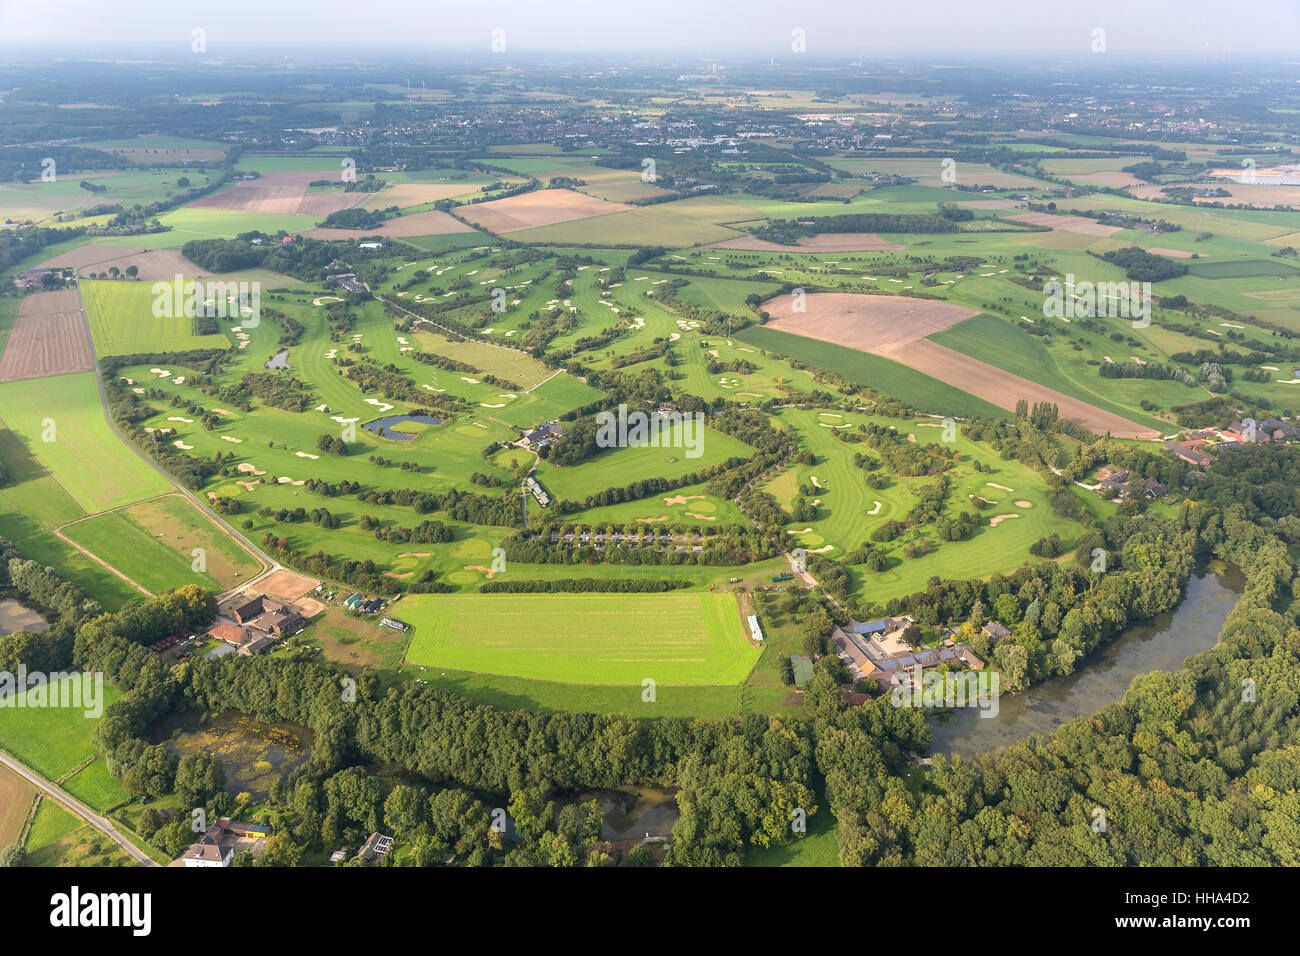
(49,338)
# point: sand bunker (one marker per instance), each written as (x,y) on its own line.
(286,480)
(249,485)
(998,519)
(681,499)
(478,567)
(999,487)
(1024,504)
(652,520)
(237,441)
(245,467)
(303,454)
(692,514)
(875,508)
(182,446)
(416,554)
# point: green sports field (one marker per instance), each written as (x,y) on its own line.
(672,639)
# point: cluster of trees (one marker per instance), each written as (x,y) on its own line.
(1143,266)
(332,445)
(276,389)
(1130,368)
(790,231)
(581,585)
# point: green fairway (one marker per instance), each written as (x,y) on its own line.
(694,639)
(60,422)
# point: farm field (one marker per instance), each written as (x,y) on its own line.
(32,504)
(697,638)
(48,337)
(82,454)
(16,796)
(122,322)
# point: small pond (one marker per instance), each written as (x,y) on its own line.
(387,427)
(15,617)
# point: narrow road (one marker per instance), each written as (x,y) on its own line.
(77,807)
(271,565)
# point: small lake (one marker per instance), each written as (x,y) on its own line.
(1161,644)
(279,360)
(632,812)
(387,427)
(14,617)
(253,754)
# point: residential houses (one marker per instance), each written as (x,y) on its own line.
(217,846)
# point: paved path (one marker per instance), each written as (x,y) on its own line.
(77,807)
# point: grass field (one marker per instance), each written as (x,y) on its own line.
(60,421)
(51,823)
(122,321)
(93,786)
(696,639)
(50,740)
(152,542)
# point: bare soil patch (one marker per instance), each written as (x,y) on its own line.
(49,337)
(541,207)
(872,323)
(286,585)
(1172,253)
(822,242)
(282,194)
(1005,389)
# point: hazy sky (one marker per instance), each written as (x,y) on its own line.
(759,28)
